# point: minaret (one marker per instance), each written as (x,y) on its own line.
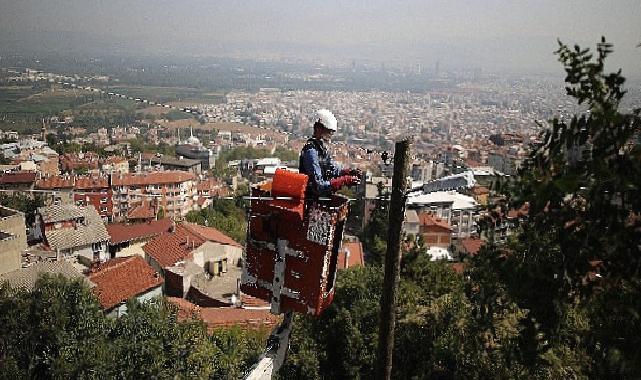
(44,130)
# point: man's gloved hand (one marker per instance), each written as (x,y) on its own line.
(352,172)
(345,180)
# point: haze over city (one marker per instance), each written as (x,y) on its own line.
(495,35)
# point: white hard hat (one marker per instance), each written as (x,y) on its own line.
(326,118)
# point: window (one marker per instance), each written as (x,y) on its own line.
(217,267)
(96,246)
(103,200)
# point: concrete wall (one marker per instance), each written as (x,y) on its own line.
(134,249)
(211,251)
(120,310)
(14,239)
(85,254)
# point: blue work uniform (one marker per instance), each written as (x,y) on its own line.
(316,162)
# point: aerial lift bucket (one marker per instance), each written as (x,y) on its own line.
(292,245)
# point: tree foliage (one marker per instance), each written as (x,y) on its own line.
(23,202)
(442,331)
(220,168)
(58,330)
(224,215)
(374,235)
(582,185)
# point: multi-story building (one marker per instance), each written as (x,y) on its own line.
(460,211)
(173,191)
(436,232)
(82,190)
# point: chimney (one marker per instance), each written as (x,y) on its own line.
(346,258)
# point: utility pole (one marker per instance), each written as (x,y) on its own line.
(392,261)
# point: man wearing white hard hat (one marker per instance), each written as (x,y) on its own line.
(325,176)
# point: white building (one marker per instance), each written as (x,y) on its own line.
(460,211)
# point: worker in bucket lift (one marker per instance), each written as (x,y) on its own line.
(325,176)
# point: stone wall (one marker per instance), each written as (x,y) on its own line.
(13,239)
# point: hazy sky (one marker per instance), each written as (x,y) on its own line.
(492,34)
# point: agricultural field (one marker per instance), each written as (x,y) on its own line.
(39,101)
(23,107)
(184,95)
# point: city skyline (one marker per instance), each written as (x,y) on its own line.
(495,35)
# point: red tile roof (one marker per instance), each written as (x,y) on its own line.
(17,177)
(218,317)
(120,233)
(78,183)
(472,246)
(119,279)
(355,258)
(458,267)
(211,234)
(213,187)
(426,219)
(169,248)
(152,178)
(186,309)
(145,210)
(115,160)
(249,301)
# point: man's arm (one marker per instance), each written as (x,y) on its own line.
(311,165)
(336,169)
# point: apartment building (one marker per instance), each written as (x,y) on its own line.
(82,190)
(174,192)
(460,211)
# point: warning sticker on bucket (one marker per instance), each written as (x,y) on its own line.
(320,223)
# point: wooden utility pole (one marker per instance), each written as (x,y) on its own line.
(392,261)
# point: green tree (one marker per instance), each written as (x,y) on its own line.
(374,235)
(236,351)
(582,185)
(153,344)
(55,331)
(4,160)
(224,215)
(23,202)
(286,154)
(58,330)
(341,343)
